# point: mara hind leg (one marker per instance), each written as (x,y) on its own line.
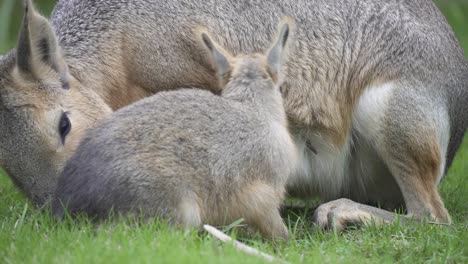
(410,133)
(259,205)
(414,147)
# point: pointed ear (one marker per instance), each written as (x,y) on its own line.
(277,52)
(218,56)
(38,47)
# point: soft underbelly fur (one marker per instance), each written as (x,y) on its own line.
(353,170)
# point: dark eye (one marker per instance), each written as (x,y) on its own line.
(64,127)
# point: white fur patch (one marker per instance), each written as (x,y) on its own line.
(189,213)
(370,110)
(442,124)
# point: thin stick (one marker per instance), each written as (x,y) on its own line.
(239,245)
(434,223)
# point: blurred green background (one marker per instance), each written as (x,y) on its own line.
(456,12)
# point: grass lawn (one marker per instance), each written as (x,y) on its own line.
(28,236)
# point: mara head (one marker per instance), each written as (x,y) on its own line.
(245,68)
(43,110)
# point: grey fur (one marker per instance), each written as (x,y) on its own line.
(343,49)
(189,155)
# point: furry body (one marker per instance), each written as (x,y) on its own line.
(191,156)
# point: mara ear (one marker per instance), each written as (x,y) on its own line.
(276,53)
(38,47)
(220,59)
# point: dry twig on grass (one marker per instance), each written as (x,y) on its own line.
(239,245)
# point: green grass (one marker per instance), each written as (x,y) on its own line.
(29,236)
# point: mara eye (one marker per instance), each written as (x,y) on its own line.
(64,127)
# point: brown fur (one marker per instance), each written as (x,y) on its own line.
(426,160)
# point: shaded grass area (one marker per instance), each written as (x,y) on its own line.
(29,236)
